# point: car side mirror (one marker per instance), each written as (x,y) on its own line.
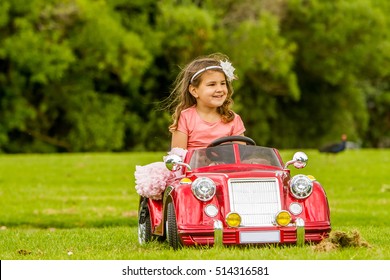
(174,162)
(299,160)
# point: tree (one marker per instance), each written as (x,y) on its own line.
(64,75)
(341,44)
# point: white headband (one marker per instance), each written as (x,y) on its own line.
(226,67)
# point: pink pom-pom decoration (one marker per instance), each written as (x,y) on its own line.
(152,179)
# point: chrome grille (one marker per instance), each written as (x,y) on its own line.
(256,200)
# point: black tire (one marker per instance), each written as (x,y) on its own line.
(144,225)
(172,234)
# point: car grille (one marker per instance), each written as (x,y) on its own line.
(256,200)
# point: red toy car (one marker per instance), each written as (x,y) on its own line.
(234,192)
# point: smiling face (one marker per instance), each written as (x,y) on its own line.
(212,90)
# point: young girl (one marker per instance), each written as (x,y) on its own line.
(203,97)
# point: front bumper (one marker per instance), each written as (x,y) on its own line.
(297,233)
(264,236)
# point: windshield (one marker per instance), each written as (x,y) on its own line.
(224,154)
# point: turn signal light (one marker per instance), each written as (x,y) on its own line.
(283,218)
(233,219)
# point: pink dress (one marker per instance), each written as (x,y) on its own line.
(201,133)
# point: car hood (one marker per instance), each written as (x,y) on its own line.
(243,174)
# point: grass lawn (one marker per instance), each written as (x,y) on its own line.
(84,207)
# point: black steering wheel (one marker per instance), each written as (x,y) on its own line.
(215,155)
(238,138)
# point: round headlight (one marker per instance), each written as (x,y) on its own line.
(295,208)
(283,218)
(203,188)
(301,186)
(233,219)
(211,210)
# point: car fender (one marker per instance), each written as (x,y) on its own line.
(155,211)
(316,207)
(188,209)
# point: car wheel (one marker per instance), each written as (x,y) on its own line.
(144,225)
(172,235)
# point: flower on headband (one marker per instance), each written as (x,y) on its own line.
(228,69)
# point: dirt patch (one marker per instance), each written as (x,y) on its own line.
(340,239)
(24,252)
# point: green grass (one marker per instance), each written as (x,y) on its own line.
(84,206)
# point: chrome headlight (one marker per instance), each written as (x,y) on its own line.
(301,186)
(203,188)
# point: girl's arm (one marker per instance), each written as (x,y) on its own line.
(179,140)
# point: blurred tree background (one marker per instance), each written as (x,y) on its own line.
(90,75)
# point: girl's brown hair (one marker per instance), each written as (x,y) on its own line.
(183,99)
